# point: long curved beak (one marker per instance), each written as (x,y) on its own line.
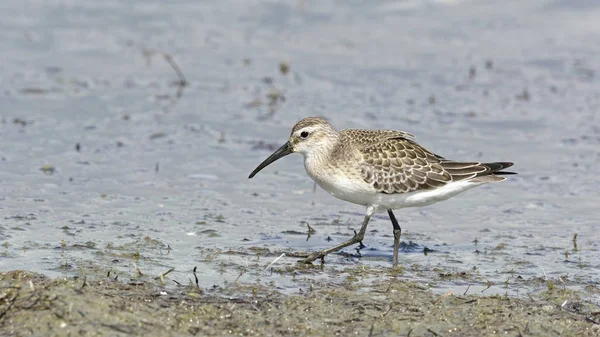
(281,152)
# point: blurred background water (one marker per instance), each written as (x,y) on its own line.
(106,160)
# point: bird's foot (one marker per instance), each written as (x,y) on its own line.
(360,244)
(297,254)
(310,258)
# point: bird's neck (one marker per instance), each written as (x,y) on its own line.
(317,162)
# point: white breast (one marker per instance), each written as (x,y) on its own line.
(351,190)
(340,184)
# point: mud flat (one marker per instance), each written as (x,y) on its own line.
(33,305)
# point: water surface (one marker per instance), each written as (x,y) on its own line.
(102,164)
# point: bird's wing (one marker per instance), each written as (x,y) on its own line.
(368,137)
(400,165)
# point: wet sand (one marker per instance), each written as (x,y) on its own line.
(32,305)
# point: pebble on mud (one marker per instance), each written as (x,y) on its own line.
(284,67)
(48,169)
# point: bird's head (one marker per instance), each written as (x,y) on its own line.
(312,136)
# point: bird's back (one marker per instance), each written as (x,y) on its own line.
(392,162)
(362,137)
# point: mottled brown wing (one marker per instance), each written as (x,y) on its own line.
(399,165)
(394,163)
(368,137)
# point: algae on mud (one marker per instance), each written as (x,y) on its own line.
(31,305)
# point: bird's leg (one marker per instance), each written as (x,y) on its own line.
(360,244)
(397,234)
(358,237)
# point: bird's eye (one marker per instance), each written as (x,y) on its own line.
(304,134)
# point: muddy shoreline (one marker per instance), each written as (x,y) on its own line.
(33,305)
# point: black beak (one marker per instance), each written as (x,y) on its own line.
(281,152)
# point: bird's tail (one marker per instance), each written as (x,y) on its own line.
(497,168)
(477,172)
(494,173)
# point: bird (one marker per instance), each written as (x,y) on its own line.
(384,170)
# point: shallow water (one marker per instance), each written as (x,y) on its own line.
(102,164)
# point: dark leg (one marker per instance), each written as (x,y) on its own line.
(355,239)
(397,233)
(360,244)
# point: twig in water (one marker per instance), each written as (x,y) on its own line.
(563,282)
(310,231)
(518,331)
(272,263)
(433,332)
(162,276)
(240,275)
(181,82)
(196,277)
(549,283)
(10,304)
(489,285)
(469,286)
(441,298)
(139,272)
(168,272)
(387,311)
